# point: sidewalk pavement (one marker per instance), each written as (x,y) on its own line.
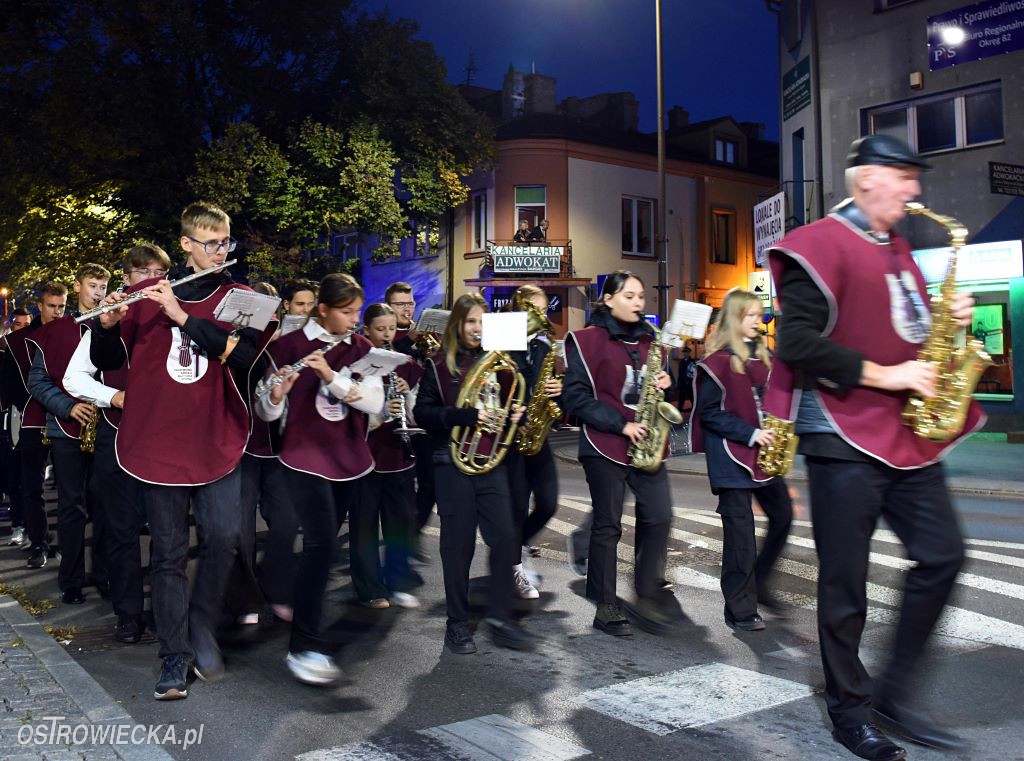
(45,690)
(983,465)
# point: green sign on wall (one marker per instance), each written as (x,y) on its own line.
(796,89)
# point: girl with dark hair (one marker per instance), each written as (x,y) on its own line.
(324,450)
(605,366)
(465,501)
(725,425)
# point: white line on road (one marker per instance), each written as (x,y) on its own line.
(357,752)
(496,738)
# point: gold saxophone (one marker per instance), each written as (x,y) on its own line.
(960,363)
(88,436)
(653,411)
(776,459)
(541,411)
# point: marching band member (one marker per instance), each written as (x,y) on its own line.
(66,419)
(534,474)
(324,451)
(391,483)
(399,297)
(11,389)
(465,501)
(182,434)
(298,297)
(727,392)
(603,379)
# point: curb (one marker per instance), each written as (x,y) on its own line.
(955,484)
(97,706)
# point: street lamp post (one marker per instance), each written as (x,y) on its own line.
(662,236)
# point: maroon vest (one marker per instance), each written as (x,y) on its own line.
(739,399)
(115,379)
(609,364)
(851,271)
(184,421)
(322,436)
(33,415)
(389,452)
(261,443)
(57,341)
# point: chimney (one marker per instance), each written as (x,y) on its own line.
(677,117)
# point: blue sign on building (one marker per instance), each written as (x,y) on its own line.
(975,32)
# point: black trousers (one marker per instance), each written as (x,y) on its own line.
(32,454)
(217,511)
(10,461)
(72,469)
(463,503)
(745,572)
(608,481)
(265,485)
(393,495)
(119,498)
(536,474)
(847,499)
(423,448)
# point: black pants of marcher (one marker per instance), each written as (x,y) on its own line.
(847,499)
(72,469)
(536,474)
(217,510)
(463,503)
(745,573)
(119,498)
(608,481)
(33,454)
(393,494)
(12,483)
(423,448)
(265,484)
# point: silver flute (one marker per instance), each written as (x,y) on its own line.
(266,385)
(139,295)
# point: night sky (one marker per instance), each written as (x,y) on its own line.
(720,55)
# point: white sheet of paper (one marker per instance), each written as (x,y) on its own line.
(292,322)
(688,320)
(247,309)
(504,331)
(378,362)
(433,321)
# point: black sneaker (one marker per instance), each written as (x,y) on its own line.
(38,557)
(128,630)
(72,596)
(458,639)
(172,684)
(507,634)
(610,619)
(753,624)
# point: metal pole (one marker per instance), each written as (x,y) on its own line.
(662,237)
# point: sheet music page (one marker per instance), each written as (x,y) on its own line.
(292,322)
(433,321)
(247,309)
(378,362)
(505,331)
(688,320)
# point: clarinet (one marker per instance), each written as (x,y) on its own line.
(403,430)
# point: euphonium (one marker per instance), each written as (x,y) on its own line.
(541,411)
(960,366)
(481,389)
(653,411)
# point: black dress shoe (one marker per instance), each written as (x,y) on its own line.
(916,727)
(507,634)
(72,596)
(649,613)
(753,624)
(458,639)
(611,620)
(867,741)
(128,630)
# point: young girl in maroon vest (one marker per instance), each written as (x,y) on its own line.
(465,501)
(324,449)
(725,425)
(390,485)
(605,370)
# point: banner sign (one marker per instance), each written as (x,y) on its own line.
(1007,179)
(975,32)
(769,226)
(533,260)
(796,89)
(976,263)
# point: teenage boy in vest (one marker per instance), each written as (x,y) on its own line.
(182,434)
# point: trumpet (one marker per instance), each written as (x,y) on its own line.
(267,385)
(139,295)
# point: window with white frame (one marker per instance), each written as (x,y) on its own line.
(638,226)
(426,237)
(478,220)
(949,121)
(725,150)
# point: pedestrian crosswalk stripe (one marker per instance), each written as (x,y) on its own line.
(497,738)
(358,752)
(692,697)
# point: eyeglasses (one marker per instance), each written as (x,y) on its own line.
(150,272)
(402,304)
(214,246)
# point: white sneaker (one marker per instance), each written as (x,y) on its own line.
(531,574)
(48,474)
(524,589)
(313,668)
(405,600)
(17,537)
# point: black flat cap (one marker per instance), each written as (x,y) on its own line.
(883,149)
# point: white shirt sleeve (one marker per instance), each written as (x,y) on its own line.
(267,411)
(78,378)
